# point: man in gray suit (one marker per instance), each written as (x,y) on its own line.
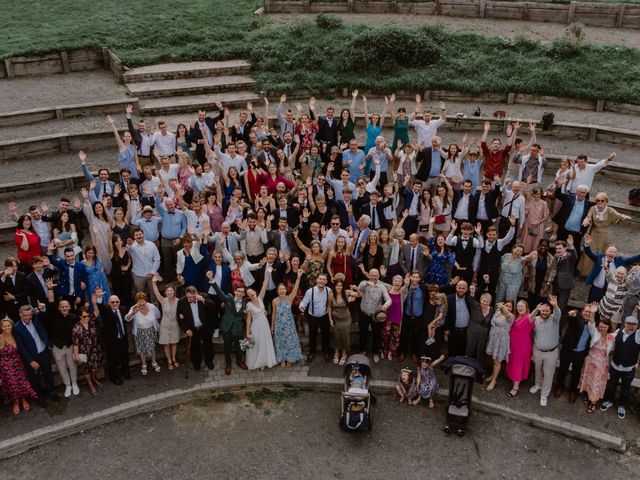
(414,256)
(563,282)
(282,238)
(231,240)
(232,325)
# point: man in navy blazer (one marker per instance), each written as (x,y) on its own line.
(412,205)
(104,186)
(34,347)
(483,207)
(597,279)
(71,289)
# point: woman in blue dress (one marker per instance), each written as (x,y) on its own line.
(283,325)
(441,259)
(374,129)
(96,277)
(191,265)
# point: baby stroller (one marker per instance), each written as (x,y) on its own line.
(356,398)
(463,372)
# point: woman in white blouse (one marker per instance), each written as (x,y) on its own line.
(145,329)
(240,268)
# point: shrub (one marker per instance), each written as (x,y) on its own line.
(328,22)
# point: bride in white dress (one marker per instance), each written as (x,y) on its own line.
(262,354)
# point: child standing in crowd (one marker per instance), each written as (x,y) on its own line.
(426,380)
(438,321)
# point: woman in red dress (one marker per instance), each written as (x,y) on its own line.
(339,261)
(15,384)
(28,243)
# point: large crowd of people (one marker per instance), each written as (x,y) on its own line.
(232,227)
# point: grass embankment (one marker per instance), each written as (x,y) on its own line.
(324,54)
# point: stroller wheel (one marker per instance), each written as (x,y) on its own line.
(460,433)
(447,429)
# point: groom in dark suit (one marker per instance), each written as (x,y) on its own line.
(196,317)
(232,325)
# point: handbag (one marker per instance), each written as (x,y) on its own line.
(440,219)
(423,228)
(532,231)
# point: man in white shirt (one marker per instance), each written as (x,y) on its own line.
(427,128)
(339,185)
(545,349)
(164,141)
(375,297)
(231,158)
(317,299)
(334,232)
(514,201)
(145,260)
(197,220)
(585,172)
(168,171)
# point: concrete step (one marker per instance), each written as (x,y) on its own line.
(168,71)
(190,86)
(192,103)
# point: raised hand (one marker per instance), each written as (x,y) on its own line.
(110,120)
(354,94)
(128,109)
(82,155)
(283,98)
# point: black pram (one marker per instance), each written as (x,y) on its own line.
(356,398)
(463,372)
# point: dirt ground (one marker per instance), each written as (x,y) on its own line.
(542,31)
(236,440)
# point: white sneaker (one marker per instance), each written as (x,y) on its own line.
(216,333)
(75,389)
(543,401)
(535,389)
(67,391)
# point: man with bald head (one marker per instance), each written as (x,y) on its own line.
(457,322)
(225,238)
(605,261)
(114,336)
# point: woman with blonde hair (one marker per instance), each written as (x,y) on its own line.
(13,376)
(144,316)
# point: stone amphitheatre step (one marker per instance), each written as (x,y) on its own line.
(190,86)
(192,103)
(169,71)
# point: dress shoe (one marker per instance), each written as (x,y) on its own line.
(243,366)
(557,393)
(401,357)
(126,375)
(414,359)
(117,381)
(210,366)
(310,357)
(53,396)
(572,398)
(326,357)
(196,368)
(227,371)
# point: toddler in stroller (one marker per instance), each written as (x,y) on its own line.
(356,398)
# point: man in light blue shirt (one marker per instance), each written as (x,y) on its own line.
(174,226)
(149,224)
(353,158)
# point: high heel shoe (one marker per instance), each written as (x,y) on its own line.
(491,386)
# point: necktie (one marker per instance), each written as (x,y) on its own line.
(104,188)
(120,327)
(511,204)
(226,242)
(411,301)
(413,258)
(373,217)
(287,150)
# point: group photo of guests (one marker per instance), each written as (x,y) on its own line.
(288,241)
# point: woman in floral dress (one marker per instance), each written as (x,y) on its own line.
(95,272)
(315,258)
(441,261)
(498,346)
(85,342)
(283,326)
(511,275)
(15,384)
(290,278)
(593,380)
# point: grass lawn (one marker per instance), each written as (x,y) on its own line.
(321,55)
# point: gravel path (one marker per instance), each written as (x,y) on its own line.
(47,91)
(236,439)
(541,31)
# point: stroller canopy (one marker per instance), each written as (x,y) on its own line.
(362,361)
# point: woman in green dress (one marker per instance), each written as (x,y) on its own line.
(400,123)
(315,258)
(348,121)
(340,318)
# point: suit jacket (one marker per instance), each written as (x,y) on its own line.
(573,333)
(472,207)
(226,276)
(276,239)
(97,191)
(196,134)
(568,201)
(293,217)
(232,321)
(80,275)
(110,324)
(341,211)
(564,270)
(407,194)
(490,202)
(26,343)
(423,158)
(619,261)
(35,290)
(529,266)
(380,206)
(236,134)
(450,322)
(277,274)
(405,258)
(327,133)
(20,290)
(206,310)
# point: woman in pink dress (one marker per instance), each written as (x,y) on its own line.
(521,346)
(391,331)
(13,376)
(536,213)
(596,366)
